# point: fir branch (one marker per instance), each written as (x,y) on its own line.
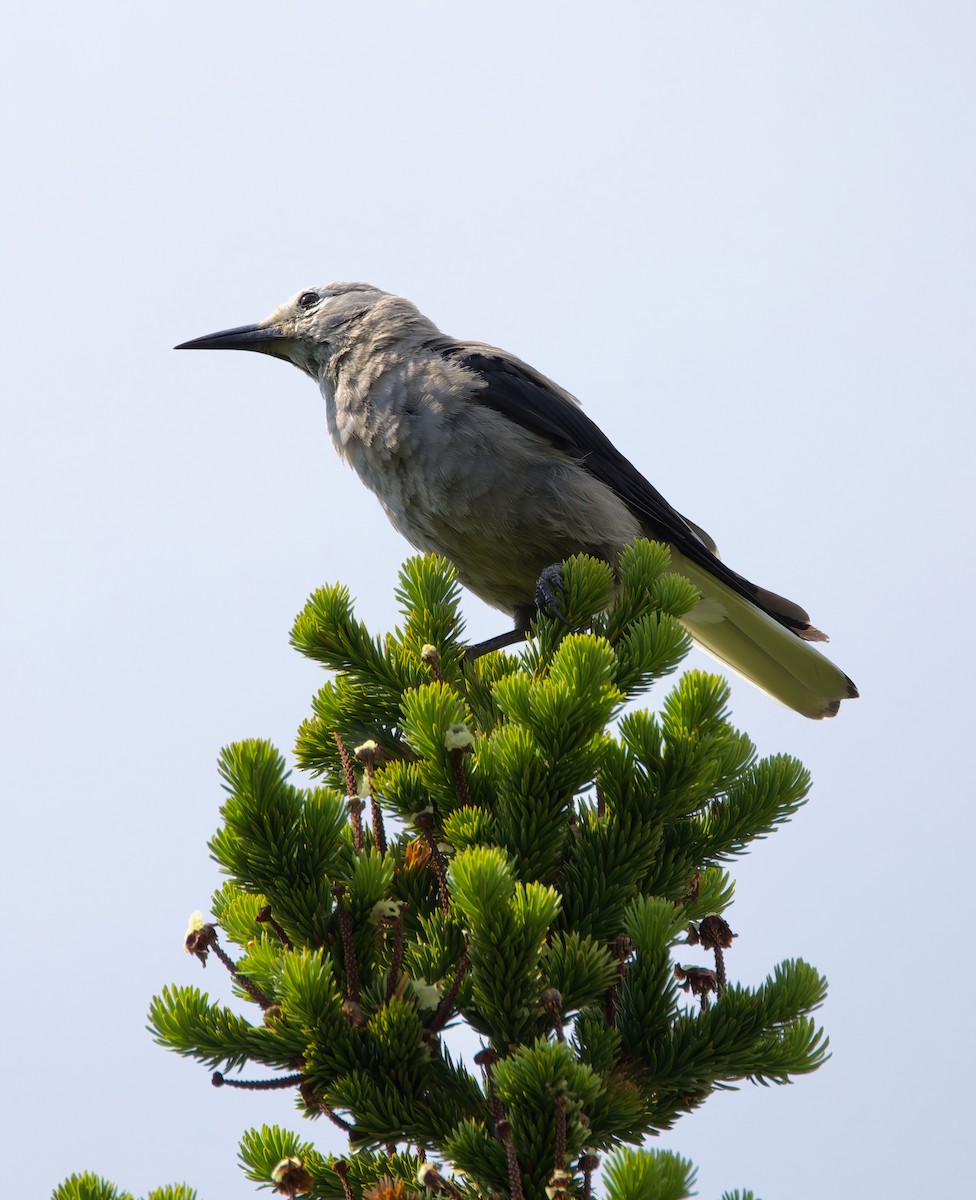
(543,920)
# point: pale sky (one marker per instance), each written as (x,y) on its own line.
(742,233)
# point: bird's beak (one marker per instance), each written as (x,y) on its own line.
(264,338)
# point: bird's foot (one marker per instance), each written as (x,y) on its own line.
(548,592)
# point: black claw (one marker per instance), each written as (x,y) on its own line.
(548,589)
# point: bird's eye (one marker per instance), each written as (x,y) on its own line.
(307,299)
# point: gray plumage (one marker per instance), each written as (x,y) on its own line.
(476,456)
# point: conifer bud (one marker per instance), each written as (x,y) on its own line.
(458,737)
(352,1010)
(384,911)
(427,995)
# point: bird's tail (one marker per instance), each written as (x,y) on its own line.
(757,646)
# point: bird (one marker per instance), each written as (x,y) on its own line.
(476,456)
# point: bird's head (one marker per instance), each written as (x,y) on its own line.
(315,324)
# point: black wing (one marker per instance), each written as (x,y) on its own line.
(521,394)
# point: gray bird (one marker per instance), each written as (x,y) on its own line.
(476,456)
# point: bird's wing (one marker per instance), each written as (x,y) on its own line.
(518,392)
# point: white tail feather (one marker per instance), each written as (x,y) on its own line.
(758,647)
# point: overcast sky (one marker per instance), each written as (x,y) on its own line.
(741,232)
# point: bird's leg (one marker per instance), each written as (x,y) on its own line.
(547,591)
(499,642)
(523,623)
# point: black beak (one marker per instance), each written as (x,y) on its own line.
(244,337)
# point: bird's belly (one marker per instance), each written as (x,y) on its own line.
(501,524)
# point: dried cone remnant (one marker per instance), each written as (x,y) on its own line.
(429,1176)
(560,1186)
(264,915)
(290,1178)
(713,933)
(697,980)
(199,937)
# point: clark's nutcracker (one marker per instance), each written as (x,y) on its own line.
(476,456)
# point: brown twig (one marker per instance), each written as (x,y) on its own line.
(348,949)
(367,756)
(504,1127)
(347,768)
(341,1168)
(218,1079)
(396,960)
(446,1006)
(552,1002)
(429,655)
(200,941)
(486,1059)
(588,1164)
(353,802)
(425,823)
(559,1161)
(264,915)
(622,946)
(460,779)
(309,1097)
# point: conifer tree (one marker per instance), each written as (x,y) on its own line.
(502,845)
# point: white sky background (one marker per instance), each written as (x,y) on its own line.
(742,233)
